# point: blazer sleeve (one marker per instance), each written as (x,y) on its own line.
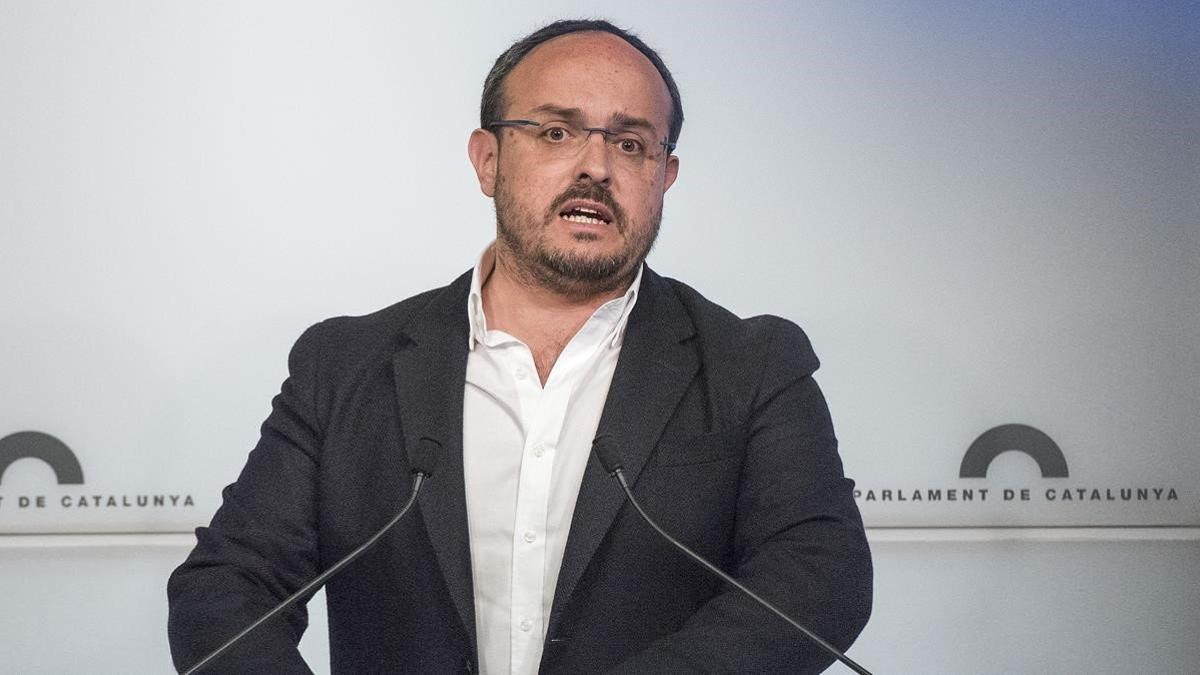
(799,540)
(261,545)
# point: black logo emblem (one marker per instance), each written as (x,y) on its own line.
(1018,437)
(45,447)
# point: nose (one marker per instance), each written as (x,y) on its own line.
(593,160)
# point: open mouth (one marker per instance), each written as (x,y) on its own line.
(588,213)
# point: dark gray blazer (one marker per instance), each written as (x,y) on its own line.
(723,433)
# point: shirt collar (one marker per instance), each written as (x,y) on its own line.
(615,312)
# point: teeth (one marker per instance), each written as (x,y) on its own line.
(583,219)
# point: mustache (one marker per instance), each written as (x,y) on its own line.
(592,192)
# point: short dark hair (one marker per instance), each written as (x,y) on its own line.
(492,104)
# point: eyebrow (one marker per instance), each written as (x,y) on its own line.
(618,120)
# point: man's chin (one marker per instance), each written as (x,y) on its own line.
(603,271)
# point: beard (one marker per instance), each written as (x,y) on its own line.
(525,237)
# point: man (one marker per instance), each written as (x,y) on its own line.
(523,555)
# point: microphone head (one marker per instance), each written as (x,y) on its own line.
(605,452)
(425,459)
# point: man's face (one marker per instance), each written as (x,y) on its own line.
(578,222)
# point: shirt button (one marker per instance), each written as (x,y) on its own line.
(530,536)
(539,450)
(526,625)
(522,373)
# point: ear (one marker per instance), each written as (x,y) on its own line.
(672,172)
(483,151)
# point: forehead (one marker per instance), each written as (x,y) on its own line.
(596,72)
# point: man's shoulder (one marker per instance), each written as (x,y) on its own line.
(344,339)
(385,323)
(723,332)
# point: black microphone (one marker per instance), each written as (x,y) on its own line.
(612,464)
(423,464)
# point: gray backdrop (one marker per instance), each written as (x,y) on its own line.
(983,214)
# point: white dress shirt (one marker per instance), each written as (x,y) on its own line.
(525,447)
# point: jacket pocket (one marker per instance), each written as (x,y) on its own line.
(709,447)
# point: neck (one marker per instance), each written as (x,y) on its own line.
(544,319)
(512,298)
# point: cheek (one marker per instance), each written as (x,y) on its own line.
(645,194)
(533,189)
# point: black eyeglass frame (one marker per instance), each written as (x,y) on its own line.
(667,145)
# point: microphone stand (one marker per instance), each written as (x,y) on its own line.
(615,469)
(425,462)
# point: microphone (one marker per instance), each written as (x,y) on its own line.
(424,461)
(612,464)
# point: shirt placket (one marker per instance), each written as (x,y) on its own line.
(542,413)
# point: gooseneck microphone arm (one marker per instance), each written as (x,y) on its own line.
(422,468)
(613,466)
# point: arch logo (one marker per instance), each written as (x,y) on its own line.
(1013,438)
(44,447)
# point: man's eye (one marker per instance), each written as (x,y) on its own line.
(556,134)
(630,146)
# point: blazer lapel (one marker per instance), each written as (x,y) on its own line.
(652,373)
(429,370)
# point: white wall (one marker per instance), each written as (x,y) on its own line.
(982,214)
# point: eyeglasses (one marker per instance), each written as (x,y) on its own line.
(565,139)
